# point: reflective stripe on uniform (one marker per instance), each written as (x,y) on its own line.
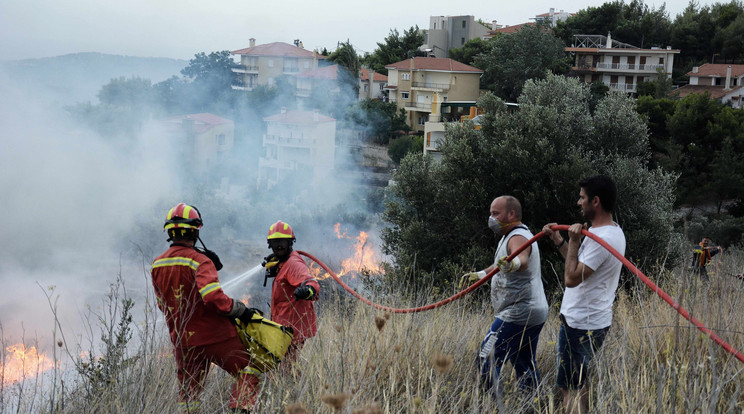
(189,406)
(249,370)
(176,261)
(209,289)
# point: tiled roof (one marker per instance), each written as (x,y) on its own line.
(718,70)
(299,117)
(202,122)
(277,49)
(511,29)
(716,92)
(430,63)
(379,77)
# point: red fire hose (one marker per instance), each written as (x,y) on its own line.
(712,335)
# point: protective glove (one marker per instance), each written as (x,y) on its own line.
(470,278)
(304,292)
(240,311)
(508,267)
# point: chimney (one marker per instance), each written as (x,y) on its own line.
(609,41)
(252,42)
(300,45)
(284,109)
(316,115)
(695,69)
(728,79)
(371,76)
(297,42)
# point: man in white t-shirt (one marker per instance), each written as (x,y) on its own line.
(591,275)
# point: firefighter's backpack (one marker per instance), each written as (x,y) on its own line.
(265,340)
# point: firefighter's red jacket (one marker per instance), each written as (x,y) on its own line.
(285,309)
(189,294)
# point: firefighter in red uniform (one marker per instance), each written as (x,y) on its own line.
(293,290)
(199,314)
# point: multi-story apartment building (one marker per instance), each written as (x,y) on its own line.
(326,79)
(431,88)
(204,138)
(297,143)
(618,65)
(722,81)
(447,32)
(551,18)
(262,64)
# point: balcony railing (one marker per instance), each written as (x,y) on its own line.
(629,66)
(625,87)
(426,107)
(295,142)
(245,69)
(427,85)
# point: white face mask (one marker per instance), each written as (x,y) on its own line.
(497,226)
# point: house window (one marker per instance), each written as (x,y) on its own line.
(661,60)
(462,41)
(463,24)
(422,119)
(406,76)
(221,139)
(404,95)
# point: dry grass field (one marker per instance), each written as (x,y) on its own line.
(368,361)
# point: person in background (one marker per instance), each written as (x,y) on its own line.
(591,275)
(702,254)
(293,291)
(199,315)
(518,299)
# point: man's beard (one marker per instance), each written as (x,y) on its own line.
(589,213)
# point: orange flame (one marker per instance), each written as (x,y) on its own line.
(21,363)
(363,259)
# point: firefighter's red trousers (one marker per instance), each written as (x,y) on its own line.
(193,366)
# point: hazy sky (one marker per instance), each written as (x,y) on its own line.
(181,28)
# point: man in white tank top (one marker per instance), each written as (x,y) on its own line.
(591,275)
(517,297)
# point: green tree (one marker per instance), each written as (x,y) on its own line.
(468,52)
(437,211)
(211,83)
(660,87)
(664,152)
(688,128)
(378,118)
(634,23)
(127,92)
(510,60)
(350,66)
(395,48)
(405,145)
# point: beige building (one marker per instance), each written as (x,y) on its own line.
(618,65)
(206,139)
(432,89)
(326,79)
(722,81)
(447,32)
(297,143)
(263,64)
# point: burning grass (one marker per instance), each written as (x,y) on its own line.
(366,361)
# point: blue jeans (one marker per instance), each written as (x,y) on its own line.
(511,342)
(576,348)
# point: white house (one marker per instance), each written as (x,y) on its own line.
(722,81)
(297,142)
(618,65)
